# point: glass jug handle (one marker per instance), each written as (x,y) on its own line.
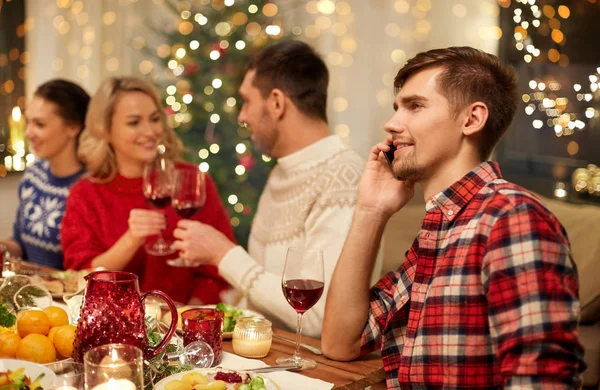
(152,352)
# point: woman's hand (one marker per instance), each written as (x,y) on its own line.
(199,243)
(143,223)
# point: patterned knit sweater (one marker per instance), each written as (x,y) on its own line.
(308,201)
(42,198)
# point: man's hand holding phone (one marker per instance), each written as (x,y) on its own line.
(379,190)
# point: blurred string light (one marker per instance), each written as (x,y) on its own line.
(546,95)
(335,19)
(547,20)
(13,62)
(544,98)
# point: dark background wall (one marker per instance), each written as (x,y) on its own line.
(538,158)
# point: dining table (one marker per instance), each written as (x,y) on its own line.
(357,374)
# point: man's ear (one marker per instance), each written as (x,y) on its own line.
(277,103)
(475,118)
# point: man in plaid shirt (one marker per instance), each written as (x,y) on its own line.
(487,295)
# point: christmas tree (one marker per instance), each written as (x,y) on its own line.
(204,60)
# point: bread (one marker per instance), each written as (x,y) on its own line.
(54,286)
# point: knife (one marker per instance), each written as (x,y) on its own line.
(312,349)
(290,367)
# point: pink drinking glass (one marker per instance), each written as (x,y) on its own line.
(204,325)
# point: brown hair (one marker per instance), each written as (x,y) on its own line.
(95,150)
(70,99)
(470,75)
(296,69)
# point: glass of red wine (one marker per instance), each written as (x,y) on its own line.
(302,283)
(158,183)
(188,198)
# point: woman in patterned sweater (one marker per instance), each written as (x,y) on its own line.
(55,118)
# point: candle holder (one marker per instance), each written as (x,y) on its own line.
(252,337)
(114,366)
(69,375)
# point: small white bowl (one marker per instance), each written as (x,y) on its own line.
(32,370)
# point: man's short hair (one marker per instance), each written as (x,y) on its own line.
(470,75)
(296,69)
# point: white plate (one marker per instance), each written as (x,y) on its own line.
(226,335)
(32,370)
(269,384)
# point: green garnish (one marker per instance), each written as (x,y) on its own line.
(7,319)
(158,368)
(8,292)
(231,313)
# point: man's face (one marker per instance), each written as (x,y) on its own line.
(255,115)
(423,128)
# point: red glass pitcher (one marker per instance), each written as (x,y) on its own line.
(113,312)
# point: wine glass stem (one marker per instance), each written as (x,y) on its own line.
(160,241)
(296,356)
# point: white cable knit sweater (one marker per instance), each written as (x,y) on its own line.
(308,201)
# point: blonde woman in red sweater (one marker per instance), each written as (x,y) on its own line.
(108,220)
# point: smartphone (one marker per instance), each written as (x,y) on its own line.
(389,156)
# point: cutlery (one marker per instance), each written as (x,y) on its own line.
(312,349)
(273,368)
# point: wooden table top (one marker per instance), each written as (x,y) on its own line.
(357,374)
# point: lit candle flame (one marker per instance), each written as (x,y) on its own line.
(16,114)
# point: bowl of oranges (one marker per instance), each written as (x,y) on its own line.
(39,336)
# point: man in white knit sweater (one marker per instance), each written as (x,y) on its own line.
(309,197)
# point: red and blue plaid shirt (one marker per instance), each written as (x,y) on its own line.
(487,296)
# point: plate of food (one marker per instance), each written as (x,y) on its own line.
(20,374)
(232,313)
(60,283)
(216,378)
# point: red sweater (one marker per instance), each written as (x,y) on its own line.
(96,217)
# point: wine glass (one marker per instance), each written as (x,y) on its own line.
(158,182)
(302,283)
(188,198)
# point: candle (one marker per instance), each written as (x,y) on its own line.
(252,348)
(16,124)
(252,337)
(114,366)
(116,384)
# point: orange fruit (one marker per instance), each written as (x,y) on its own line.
(33,321)
(8,345)
(52,332)
(56,316)
(63,340)
(36,348)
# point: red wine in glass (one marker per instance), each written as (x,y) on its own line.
(302,294)
(188,198)
(302,283)
(157,185)
(159,202)
(186,209)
